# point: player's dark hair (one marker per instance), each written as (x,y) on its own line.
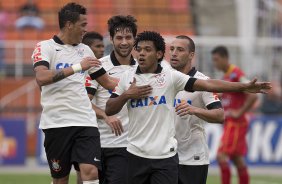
(121,22)
(70,12)
(155,37)
(191,44)
(89,37)
(221,50)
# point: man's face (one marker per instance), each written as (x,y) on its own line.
(123,42)
(78,29)
(97,47)
(219,61)
(147,56)
(180,54)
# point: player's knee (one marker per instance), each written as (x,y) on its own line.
(239,162)
(220,158)
(89,172)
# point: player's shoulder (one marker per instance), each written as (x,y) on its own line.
(237,69)
(106,59)
(84,47)
(165,64)
(48,42)
(128,75)
(106,62)
(200,75)
(236,73)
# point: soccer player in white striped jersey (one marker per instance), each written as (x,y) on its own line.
(193,111)
(67,119)
(152,147)
(113,129)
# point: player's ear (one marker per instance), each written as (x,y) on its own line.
(159,54)
(68,25)
(111,39)
(191,55)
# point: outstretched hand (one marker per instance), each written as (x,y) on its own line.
(257,87)
(136,92)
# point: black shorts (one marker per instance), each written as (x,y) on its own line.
(69,146)
(114,166)
(192,174)
(152,171)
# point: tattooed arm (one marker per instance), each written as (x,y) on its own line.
(45,76)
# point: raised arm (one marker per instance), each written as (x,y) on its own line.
(107,81)
(213,85)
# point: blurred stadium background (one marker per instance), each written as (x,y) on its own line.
(251,29)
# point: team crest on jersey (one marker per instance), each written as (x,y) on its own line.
(80,52)
(160,80)
(55,165)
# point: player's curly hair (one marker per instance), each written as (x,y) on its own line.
(155,37)
(118,22)
(70,12)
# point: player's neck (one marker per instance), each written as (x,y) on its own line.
(65,38)
(152,69)
(186,68)
(123,60)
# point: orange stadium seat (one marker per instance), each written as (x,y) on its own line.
(12,5)
(29,34)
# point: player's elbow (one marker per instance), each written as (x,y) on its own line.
(41,81)
(109,110)
(219,116)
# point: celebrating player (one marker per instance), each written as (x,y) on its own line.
(67,120)
(201,107)
(152,147)
(233,142)
(113,129)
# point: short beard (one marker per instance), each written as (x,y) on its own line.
(122,55)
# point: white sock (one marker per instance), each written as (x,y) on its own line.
(91,182)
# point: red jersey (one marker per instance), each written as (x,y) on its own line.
(234,100)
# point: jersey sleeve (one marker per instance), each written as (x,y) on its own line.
(41,55)
(91,85)
(121,87)
(93,72)
(182,82)
(211,100)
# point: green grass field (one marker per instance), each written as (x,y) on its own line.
(45,179)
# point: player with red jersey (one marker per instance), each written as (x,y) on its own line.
(233,143)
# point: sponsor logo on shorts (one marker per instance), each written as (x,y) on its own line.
(55,165)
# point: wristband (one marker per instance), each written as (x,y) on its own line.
(76,68)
